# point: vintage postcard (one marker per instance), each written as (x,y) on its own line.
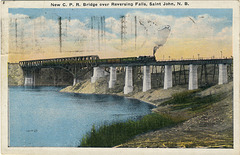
(122,77)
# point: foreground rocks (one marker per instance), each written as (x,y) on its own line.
(212,128)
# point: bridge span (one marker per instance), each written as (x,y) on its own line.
(104,67)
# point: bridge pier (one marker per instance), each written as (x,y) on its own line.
(29,81)
(72,64)
(193,77)
(113,77)
(223,77)
(29,78)
(74,81)
(128,88)
(167,77)
(146,78)
(98,72)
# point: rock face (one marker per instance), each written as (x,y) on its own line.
(53,77)
(15,75)
(44,76)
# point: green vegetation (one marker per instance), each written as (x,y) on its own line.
(191,101)
(118,133)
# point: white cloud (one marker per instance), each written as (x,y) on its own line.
(225,34)
(40,32)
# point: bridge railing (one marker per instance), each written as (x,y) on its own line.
(199,58)
(59,61)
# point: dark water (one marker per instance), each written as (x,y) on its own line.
(42,116)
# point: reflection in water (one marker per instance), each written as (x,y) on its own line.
(42,116)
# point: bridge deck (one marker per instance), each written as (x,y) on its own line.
(171,62)
(129,61)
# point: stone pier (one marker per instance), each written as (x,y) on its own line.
(29,79)
(113,77)
(98,72)
(193,77)
(128,88)
(146,78)
(167,77)
(223,77)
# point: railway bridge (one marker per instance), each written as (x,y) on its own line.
(169,71)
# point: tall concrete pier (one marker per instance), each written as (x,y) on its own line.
(193,77)
(128,88)
(223,77)
(167,77)
(98,72)
(74,81)
(146,78)
(113,77)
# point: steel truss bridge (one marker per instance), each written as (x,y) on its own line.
(78,66)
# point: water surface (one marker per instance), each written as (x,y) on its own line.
(42,116)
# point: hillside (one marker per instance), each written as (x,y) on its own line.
(208,126)
(206,113)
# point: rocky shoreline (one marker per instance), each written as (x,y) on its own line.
(202,128)
(100,87)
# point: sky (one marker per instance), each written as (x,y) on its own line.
(177,33)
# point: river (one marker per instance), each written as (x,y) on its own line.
(44,117)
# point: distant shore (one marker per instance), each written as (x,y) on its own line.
(153,96)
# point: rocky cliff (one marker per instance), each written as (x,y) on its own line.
(15,74)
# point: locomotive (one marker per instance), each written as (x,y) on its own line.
(127,60)
(146,59)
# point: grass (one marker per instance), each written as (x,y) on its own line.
(118,133)
(181,97)
(189,100)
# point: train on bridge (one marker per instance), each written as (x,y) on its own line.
(91,59)
(78,66)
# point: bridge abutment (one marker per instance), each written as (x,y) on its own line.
(223,77)
(128,88)
(146,78)
(113,77)
(167,77)
(98,72)
(193,77)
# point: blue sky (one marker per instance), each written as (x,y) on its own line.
(116,13)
